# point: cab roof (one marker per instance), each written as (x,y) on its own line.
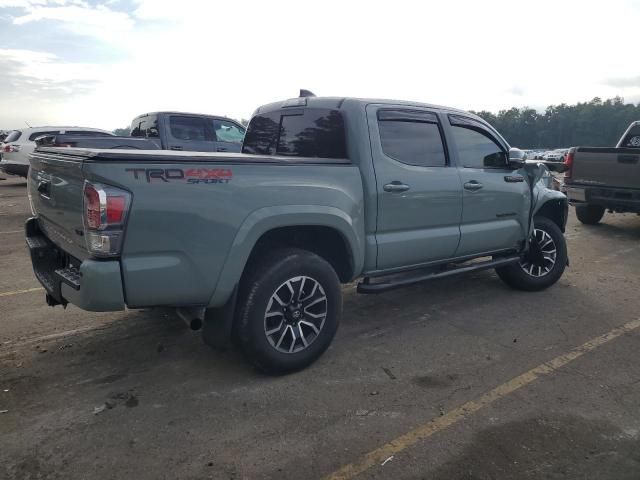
(339,102)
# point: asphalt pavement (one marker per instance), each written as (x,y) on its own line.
(456,379)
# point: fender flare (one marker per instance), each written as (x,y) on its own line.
(265,219)
(554,205)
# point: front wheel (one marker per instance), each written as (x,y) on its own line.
(291,307)
(543,264)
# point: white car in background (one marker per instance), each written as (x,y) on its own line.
(19,144)
(555,155)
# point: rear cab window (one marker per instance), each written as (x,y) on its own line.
(145,126)
(297,132)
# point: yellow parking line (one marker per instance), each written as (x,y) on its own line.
(379,455)
(18,292)
(12,231)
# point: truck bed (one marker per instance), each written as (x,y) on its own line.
(189,211)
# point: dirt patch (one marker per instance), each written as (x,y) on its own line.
(547,448)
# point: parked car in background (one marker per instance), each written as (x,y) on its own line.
(534,154)
(20,143)
(255,245)
(555,155)
(601,178)
(189,131)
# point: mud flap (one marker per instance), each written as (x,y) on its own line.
(218,324)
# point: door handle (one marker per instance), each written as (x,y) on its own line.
(175,147)
(395,187)
(473,185)
(514,178)
(222,149)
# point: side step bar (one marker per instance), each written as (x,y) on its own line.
(412,278)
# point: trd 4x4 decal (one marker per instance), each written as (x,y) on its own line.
(189,175)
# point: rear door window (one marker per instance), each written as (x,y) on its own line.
(309,132)
(187,128)
(227,131)
(412,137)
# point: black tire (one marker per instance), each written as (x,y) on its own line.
(589,214)
(272,277)
(524,275)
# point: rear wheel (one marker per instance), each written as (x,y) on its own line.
(291,307)
(589,214)
(543,264)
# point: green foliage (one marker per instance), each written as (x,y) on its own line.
(596,123)
(122,132)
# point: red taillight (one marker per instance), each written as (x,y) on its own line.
(92,213)
(116,209)
(105,213)
(568,161)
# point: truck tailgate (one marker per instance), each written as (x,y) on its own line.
(611,167)
(56,190)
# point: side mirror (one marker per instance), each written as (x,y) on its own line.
(517,158)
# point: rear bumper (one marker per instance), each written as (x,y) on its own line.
(618,199)
(92,285)
(14,168)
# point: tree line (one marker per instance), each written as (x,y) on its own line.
(596,123)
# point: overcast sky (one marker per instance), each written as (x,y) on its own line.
(99,64)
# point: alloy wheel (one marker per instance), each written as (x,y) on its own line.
(541,257)
(295,314)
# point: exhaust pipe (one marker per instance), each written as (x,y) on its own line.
(193,317)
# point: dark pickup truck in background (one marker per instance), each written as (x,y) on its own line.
(189,132)
(176,131)
(602,178)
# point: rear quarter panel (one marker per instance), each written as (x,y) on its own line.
(186,240)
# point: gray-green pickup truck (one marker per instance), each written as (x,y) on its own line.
(254,245)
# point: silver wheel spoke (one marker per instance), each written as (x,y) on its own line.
(274,314)
(302,337)
(313,292)
(277,299)
(284,332)
(301,290)
(315,302)
(310,325)
(291,290)
(544,257)
(274,330)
